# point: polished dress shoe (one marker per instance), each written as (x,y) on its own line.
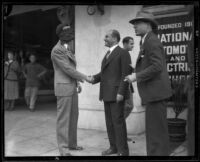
(122,154)
(78,148)
(109,152)
(129,139)
(66,154)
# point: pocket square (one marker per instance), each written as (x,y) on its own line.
(142,56)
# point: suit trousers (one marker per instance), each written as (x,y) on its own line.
(67,120)
(116,126)
(31,94)
(157,138)
(128,106)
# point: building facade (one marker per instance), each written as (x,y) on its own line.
(91,24)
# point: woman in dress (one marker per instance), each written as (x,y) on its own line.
(11,89)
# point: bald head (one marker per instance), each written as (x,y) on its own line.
(112,38)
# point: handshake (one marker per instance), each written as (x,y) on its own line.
(89,79)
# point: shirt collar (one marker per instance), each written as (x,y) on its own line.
(113,47)
(66,45)
(143,38)
(66,27)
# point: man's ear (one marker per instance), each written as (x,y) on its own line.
(116,40)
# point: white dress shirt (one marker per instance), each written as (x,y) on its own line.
(111,49)
(143,38)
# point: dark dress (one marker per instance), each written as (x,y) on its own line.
(11,88)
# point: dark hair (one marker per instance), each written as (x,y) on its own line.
(7,51)
(116,34)
(32,54)
(127,39)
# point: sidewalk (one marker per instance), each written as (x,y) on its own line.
(34,134)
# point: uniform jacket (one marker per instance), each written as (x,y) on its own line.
(151,71)
(11,71)
(113,71)
(65,73)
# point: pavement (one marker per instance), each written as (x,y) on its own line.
(34,134)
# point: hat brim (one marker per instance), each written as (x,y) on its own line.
(153,22)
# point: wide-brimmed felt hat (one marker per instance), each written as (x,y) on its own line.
(65,33)
(145,16)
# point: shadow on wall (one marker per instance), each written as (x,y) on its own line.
(102,20)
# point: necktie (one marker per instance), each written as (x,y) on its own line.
(140,44)
(107,54)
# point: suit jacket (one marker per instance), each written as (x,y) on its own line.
(113,71)
(65,73)
(151,71)
(11,71)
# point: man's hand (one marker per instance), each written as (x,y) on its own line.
(90,79)
(130,78)
(39,76)
(119,98)
(79,88)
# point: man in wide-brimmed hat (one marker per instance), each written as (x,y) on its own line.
(153,83)
(66,86)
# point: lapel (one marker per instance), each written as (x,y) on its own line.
(142,48)
(67,52)
(113,54)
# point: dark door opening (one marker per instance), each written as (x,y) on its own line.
(32,32)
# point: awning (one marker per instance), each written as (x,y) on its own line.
(19,9)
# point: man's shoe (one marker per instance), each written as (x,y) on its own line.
(129,139)
(32,110)
(78,148)
(10,109)
(122,154)
(66,154)
(109,152)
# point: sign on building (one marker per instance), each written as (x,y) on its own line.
(175,34)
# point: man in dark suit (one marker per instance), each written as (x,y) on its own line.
(153,84)
(114,91)
(128,44)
